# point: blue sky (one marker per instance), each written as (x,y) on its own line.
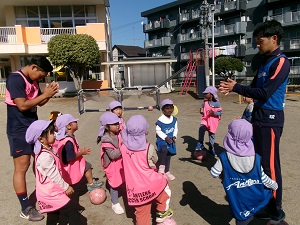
(126,20)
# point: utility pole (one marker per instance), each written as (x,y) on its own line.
(207,22)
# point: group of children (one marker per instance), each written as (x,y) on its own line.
(126,157)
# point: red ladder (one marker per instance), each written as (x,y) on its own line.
(189,74)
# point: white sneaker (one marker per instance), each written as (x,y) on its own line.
(161,169)
(117,208)
(170,176)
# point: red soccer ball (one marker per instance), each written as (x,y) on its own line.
(200,155)
(169,221)
(97,196)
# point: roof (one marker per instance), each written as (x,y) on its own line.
(131,51)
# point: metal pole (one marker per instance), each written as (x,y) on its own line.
(213,43)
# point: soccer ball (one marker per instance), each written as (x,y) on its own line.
(200,154)
(97,196)
(150,108)
(168,221)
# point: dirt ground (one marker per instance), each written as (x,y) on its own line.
(197,198)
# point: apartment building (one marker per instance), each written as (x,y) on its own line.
(174,29)
(26,26)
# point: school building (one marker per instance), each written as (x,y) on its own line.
(26,27)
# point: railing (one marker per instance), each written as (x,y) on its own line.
(48,33)
(229,29)
(294,43)
(229,5)
(196,14)
(184,17)
(197,35)
(8,35)
(295,70)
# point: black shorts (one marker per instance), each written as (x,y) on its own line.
(19,146)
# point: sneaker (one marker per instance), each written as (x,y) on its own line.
(117,208)
(31,214)
(162,216)
(95,184)
(170,176)
(200,146)
(279,218)
(161,169)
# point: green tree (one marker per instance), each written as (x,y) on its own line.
(226,66)
(77,52)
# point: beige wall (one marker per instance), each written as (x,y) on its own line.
(9,16)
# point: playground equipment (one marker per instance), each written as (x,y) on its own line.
(131,98)
(191,71)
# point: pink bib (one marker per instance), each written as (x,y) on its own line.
(114,171)
(143,184)
(31,90)
(74,170)
(50,196)
(211,122)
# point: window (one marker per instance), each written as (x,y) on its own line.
(55,16)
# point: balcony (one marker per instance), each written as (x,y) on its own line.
(155,43)
(8,35)
(183,17)
(189,15)
(156,25)
(286,19)
(290,44)
(231,7)
(48,33)
(195,36)
(33,40)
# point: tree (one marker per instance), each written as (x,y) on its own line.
(226,66)
(77,52)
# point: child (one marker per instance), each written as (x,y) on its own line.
(52,190)
(166,133)
(116,108)
(74,165)
(143,184)
(242,175)
(247,114)
(211,112)
(111,158)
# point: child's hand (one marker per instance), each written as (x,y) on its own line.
(237,118)
(211,112)
(201,112)
(69,191)
(169,140)
(86,151)
(174,139)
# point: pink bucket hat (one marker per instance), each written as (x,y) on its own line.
(134,136)
(238,140)
(34,131)
(213,90)
(106,119)
(61,122)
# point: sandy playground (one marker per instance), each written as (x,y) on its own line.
(197,198)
